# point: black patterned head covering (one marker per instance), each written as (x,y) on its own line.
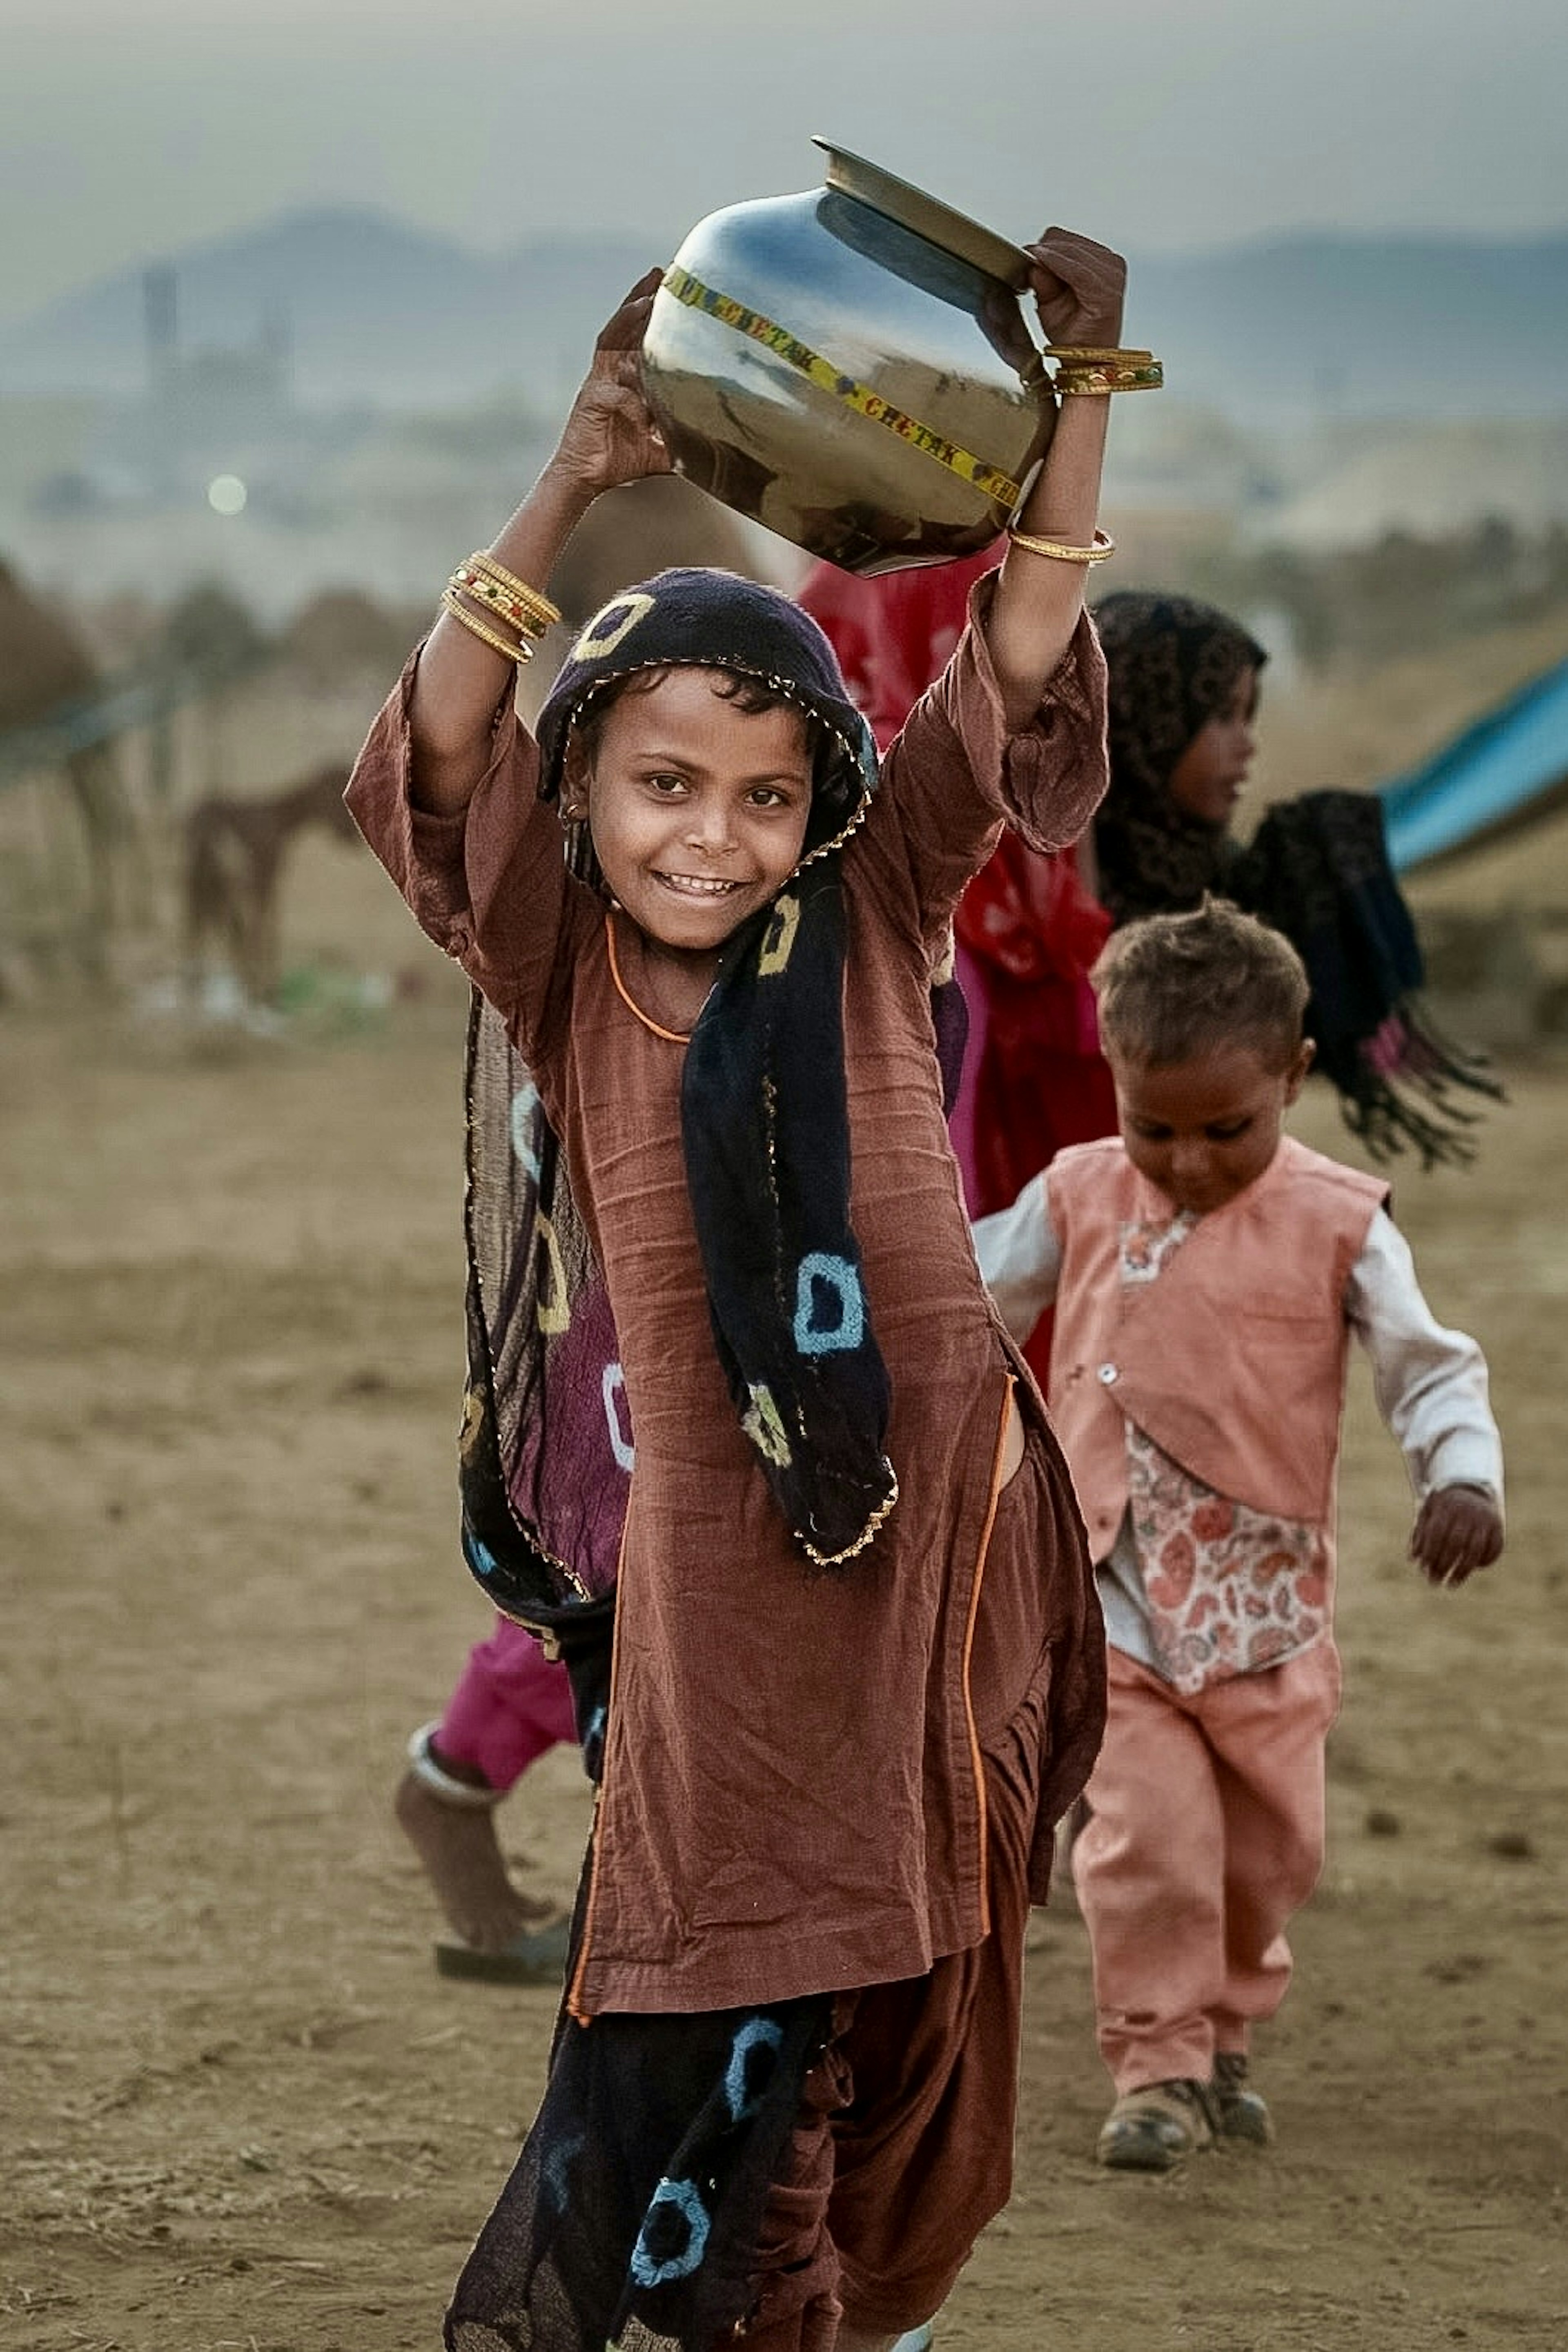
(1173,665)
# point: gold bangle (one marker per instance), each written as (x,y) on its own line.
(1093,352)
(451,603)
(540,604)
(466,581)
(527,612)
(1102,548)
(1103,376)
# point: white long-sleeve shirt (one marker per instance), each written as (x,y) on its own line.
(1430,1383)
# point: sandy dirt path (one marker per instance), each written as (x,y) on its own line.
(239,2112)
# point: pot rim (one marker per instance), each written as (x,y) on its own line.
(939,224)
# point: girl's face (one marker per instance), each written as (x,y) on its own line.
(698,808)
(1207,780)
(1204,1129)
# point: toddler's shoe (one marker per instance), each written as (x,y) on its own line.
(1243,2113)
(1155,2127)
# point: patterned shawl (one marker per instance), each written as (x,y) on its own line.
(1317,869)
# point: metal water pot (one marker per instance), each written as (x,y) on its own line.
(850,368)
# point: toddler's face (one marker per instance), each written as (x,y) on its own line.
(1204,1129)
(1207,780)
(698,808)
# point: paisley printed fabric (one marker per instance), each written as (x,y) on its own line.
(1230,1590)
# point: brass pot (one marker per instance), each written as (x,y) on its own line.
(850,368)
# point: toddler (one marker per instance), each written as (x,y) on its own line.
(1207,1272)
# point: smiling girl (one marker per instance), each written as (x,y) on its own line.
(857,1668)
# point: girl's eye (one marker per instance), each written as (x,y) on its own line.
(667,786)
(1227,1134)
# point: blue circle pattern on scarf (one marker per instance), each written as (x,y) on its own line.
(746,2080)
(677,2198)
(817,1274)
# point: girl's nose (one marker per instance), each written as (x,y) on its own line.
(710,829)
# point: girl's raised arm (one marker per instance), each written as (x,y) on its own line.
(1078,287)
(609,438)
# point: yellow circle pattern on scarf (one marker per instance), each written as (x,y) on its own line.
(612,624)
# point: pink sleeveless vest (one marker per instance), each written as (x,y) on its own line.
(1233,1359)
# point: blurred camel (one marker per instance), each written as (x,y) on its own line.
(43,666)
(235,852)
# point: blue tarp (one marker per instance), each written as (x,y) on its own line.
(1504,771)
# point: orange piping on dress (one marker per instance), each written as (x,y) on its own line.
(976,1760)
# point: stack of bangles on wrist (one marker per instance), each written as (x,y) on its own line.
(481,592)
(1100,549)
(1089,368)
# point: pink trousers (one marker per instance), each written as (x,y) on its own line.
(1205,1834)
(510,1704)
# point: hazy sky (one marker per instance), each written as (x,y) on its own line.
(129,127)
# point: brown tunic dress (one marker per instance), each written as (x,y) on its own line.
(793,1796)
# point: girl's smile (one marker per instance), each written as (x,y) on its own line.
(693,885)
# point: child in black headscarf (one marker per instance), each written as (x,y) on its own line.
(1183,695)
(1184,682)
(856,1667)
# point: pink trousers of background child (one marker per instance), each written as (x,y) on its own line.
(1205,1834)
(510,1704)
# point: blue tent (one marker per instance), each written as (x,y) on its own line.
(1503,773)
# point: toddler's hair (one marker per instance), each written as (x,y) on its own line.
(1175,986)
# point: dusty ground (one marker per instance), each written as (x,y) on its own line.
(239,2109)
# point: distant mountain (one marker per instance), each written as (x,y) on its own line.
(1297,328)
(1319,326)
(376,310)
